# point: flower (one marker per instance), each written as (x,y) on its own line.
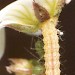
(22,66)
(20,15)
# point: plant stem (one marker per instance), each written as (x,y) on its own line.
(51,41)
(51,47)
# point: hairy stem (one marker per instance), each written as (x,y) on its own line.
(51,47)
(51,41)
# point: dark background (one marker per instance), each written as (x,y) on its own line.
(16,42)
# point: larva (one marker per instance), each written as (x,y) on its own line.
(51,47)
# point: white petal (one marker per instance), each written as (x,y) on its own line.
(2,42)
(20,12)
(67,1)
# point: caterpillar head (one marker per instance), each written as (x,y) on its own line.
(40,12)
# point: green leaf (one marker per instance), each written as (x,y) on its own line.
(38,68)
(39,47)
